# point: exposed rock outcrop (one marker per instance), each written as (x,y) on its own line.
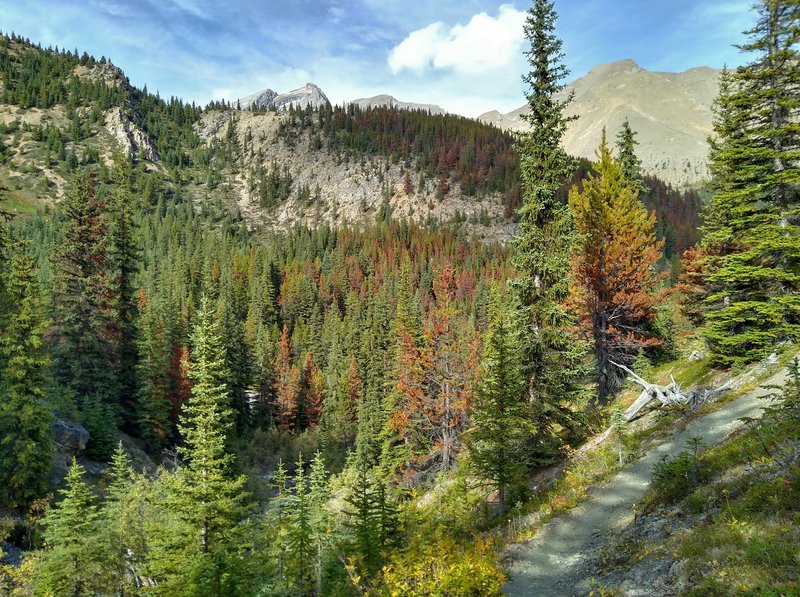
(71,438)
(260,100)
(133,140)
(105,73)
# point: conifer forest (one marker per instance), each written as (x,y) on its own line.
(196,401)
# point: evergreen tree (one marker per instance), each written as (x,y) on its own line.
(373,522)
(279,519)
(628,160)
(83,338)
(287,384)
(301,548)
(123,262)
(122,536)
(152,370)
(25,436)
(751,226)
(209,497)
(551,353)
(321,515)
(501,416)
(615,269)
(70,563)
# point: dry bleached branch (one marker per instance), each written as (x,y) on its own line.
(669,394)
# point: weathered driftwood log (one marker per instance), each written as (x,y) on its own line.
(669,394)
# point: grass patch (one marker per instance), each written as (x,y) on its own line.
(16,198)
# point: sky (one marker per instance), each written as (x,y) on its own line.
(464,55)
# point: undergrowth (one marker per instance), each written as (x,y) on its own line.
(747,491)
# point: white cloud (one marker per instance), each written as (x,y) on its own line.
(483,44)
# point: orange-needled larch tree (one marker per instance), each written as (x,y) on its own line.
(615,278)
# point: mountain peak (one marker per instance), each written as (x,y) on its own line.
(308,94)
(384,100)
(671,112)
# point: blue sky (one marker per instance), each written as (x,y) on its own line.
(465,55)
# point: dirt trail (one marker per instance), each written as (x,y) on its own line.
(557,561)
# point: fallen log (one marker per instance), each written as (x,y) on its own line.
(666,395)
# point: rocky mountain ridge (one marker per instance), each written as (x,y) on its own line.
(308,94)
(671,112)
(388,101)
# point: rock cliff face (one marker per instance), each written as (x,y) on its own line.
(262,99)
(309,94)
(389,101)
(133,140)
(671,112)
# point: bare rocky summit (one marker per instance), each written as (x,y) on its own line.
(671,112)
(300,98)
(388,101)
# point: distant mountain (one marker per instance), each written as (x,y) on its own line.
(388,101)
(671,112)
(299,98)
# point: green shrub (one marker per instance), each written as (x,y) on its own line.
(675,478)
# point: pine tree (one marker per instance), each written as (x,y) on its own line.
(83,338)
(628,160)
(287,384)
(751,226)
(321,515)
(123,261)
(501,417)
(301,548)
(25,435)
(435,385)
(552,354)
(615,268)
(209,497)
(70,564)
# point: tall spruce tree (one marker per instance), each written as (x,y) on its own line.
(552,355)
(501,418)
(627,158)
(25,436)
(83,338)
(751,233)
(123,260)
(209,498)
(71,562)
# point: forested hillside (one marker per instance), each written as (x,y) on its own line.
(324,351)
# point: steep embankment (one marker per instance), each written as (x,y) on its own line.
(559,560)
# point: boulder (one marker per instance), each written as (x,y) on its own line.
(70,437)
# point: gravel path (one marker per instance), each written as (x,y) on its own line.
(557,560)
